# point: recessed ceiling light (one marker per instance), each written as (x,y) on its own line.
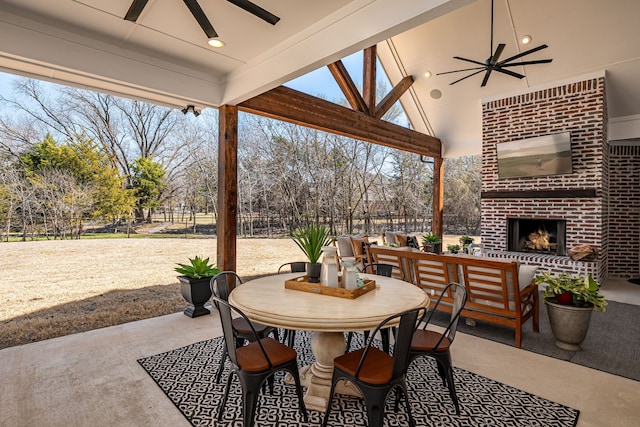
(215,42)
(427,74)
(526,39)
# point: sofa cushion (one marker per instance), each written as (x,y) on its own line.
(356,245)
(344,246)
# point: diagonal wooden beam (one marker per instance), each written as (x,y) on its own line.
(289,105)
(369,78)
(391,98)
(348,87)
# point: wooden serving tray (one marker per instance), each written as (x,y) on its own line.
(302,284)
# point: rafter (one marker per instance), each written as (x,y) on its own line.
(391,98)
(348,87)
(369,78)
(292,106)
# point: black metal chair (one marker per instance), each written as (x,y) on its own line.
(243,330)
(295,267)
(289,335)
(254,363)
(437,344)
(381,270)
(375,373)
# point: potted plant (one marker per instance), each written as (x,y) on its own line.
(570,300)
(465,241)
(194,284)
(454,249)
(431,243)
(310,239)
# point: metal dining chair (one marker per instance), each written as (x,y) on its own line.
(254,363)
(437,344)
(243,330)
(289,335)
(375,372)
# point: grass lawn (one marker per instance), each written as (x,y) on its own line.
(60,287)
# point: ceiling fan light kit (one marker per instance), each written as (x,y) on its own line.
(493,63)
(213,40)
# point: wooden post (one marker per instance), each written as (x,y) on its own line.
(226,228)
(438,196)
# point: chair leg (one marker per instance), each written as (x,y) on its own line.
(348,346)
(223,359)
(296,378)
(224,398)
(375,400)
(251,385)
(403,387)
(334,380)
(444,360)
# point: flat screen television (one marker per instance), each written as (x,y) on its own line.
(542,155)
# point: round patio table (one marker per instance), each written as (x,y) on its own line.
(267,301)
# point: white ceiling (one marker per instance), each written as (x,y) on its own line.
(164,58)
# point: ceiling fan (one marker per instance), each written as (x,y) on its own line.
(492,63)
(138,5)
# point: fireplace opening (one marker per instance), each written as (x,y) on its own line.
(544,236)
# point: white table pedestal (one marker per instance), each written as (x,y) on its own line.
(325,346)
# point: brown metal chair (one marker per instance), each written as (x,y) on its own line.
(437,344)
(243,330)
(375,373)
(254,363)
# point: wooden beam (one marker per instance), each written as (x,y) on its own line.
(369,78)
(348,87)
(226,227)
(289,105)
(438,196)
(391,98)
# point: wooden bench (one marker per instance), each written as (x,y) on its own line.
(494,290)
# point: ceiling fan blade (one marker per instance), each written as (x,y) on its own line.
(135,10)
(520,55)
(256,10)
(202,19)
(496,55)
(470,60)
(464,69)
(509,72)
(466,77)
(538,61)
(486,77)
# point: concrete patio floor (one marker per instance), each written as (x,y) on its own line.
(93,379)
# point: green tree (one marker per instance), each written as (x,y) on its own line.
(148,182)
(83,166)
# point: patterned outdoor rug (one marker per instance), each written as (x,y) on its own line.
(186,375)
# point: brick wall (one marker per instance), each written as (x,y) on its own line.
(624,208)
(579,108)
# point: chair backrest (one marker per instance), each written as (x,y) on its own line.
(459,300)
(383,269)
(406,328)
(220,284)
(296,267)
(226,310)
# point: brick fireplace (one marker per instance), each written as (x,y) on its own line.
(572,207)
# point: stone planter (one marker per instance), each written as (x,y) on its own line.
(569,324)
(196,292)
